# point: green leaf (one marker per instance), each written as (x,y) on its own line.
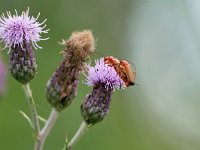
(66,143)
(42,119)
(27,118)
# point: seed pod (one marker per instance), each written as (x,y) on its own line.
(62,87)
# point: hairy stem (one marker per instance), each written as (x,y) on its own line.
(82,129)
(46,129)
(32,107)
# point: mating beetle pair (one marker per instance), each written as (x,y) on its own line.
(123,69)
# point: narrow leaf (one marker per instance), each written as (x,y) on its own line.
(27,118)
(66,143)
(42,119)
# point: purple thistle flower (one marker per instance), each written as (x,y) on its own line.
(2,77)
(17,29)
(105,75)
(97,104)
(20,33)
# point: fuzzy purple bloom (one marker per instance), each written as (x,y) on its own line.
(105,75)
(20,33)
(97,104)
(2,77)
(17,29)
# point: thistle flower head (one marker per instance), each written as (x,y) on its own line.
(62,86)
(17,29)
(105,79)
(103,74)
(81,44)
(2,77)
(20,33)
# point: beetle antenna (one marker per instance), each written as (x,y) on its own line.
(133,65)
(137,84)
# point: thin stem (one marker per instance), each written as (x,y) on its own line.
(82,129)
(66,143)
(46,129)
(31,103)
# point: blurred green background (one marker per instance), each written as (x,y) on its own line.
(160,37)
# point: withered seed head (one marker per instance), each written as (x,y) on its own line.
(81,43)
(62,87)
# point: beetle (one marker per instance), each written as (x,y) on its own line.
(123,69)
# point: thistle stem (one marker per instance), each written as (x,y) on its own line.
(32,107)
(46,129)
(82,129)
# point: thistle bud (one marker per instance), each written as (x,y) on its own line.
(20,33)
(62,87)
(105,79)
(22,63)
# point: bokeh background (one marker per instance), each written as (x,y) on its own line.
(161,37)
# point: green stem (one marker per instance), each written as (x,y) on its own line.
(66,143)
(46,129)
(32,107)
(82,129)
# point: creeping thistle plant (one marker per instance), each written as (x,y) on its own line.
(20,34)
(3,74)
